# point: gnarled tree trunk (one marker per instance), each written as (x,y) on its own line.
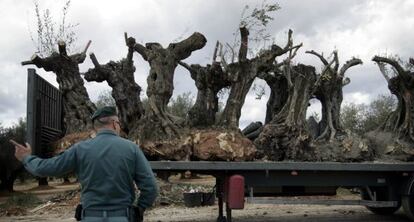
(209,81)
(401,121)
(286,137)
(158,124)
(120,77)
(328,91)
(278,95)
(243,73)
(77,106)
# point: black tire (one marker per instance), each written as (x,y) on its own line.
(383,194)
(408,200)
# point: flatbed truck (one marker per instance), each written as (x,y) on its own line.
(384,187)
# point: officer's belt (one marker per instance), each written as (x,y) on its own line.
(109,213)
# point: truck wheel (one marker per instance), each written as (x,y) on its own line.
(408,198)
(383,194)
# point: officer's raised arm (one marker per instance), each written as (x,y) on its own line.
(55,166)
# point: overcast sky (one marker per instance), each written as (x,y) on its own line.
(353,27)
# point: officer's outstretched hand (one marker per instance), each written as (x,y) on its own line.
(21,151)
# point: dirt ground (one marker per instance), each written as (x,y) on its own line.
(252,213)
(63,210)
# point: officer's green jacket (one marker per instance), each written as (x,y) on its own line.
(107,167)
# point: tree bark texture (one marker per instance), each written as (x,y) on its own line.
(77,106)
(328,91)
(209,80)
(286,137)
(125,91)
(243,73)
(401,121)
(158,123)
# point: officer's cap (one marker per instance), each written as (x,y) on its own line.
(104,112)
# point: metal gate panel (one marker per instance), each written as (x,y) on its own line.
(44,112)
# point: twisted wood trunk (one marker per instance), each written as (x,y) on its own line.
(158,123)
(328,90)
(285,137)
(401,121)
(125,91)
(209,81)
(77,106)
(243,73)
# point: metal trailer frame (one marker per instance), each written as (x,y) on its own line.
(384,183)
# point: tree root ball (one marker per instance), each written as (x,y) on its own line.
(209,144)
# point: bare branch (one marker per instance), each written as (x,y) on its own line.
(383,71)
(141,50)
(62,48)
(94,60)
(244,35)
(86,47)
(233,54)
(335,54)
(224,63)
(288,74)
(130,42)
(392,62)
(215,51)
(126,38)
(291,56)
(185,65)
(184,48)
(325,69)
(324,61)
(346,81)
(349,64)
(31,61)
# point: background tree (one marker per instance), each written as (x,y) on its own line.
(10,167)
(352,117)
(361,118)
(181,105)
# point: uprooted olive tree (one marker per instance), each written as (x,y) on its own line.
(125,91)
(244,72)
(209,80)
(158,124)
(77,106)
(396,135)
(328,90)
(285,136)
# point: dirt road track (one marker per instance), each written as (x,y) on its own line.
(252,213)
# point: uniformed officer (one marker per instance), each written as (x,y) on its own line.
(107,167)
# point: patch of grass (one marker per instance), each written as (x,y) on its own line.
(22,200)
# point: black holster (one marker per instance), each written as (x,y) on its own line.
(137,214)
(78,212)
